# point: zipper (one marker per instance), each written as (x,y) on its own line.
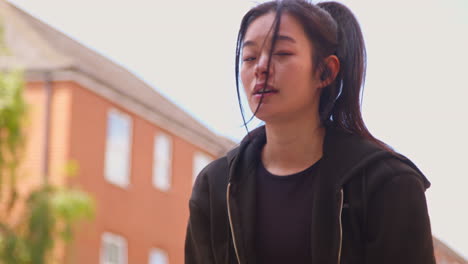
(341,225)
(230,222)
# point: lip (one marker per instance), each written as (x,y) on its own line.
(260,86)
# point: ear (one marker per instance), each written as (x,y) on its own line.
(330,71)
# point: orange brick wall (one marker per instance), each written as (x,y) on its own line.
(34,132)
(59,143)
(145,216)
(445,255)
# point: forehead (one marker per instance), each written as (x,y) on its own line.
(261,28)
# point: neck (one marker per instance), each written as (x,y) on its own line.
(292,146)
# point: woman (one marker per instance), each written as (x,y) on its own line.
(312,185)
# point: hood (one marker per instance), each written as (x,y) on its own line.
(351,152)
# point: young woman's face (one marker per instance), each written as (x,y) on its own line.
(292,88)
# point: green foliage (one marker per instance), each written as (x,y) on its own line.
(71,206)
(12,111)
(50,213)
(39,227)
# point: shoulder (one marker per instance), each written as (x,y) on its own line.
(394,170)
(211,179)
(395,211)
(359,156)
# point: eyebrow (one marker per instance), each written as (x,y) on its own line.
(280,37)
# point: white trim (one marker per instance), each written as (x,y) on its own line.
(158,254)
(162,161)
(121,181)
(120,244)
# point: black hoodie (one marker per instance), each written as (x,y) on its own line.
(369,206)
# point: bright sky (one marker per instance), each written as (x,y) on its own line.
(416,91)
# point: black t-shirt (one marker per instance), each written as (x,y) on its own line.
(284,216)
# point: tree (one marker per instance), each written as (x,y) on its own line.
(30,226)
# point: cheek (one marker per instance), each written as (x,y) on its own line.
(304,75)
(246,77)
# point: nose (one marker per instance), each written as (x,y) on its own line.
(261,68)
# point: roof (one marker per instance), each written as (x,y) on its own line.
(38,48)
(442,248)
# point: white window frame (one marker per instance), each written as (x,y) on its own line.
(162,160)
(200,161)
(159,252)
(120,180)
(119,242)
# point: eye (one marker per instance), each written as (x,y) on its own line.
(246,59)
(283,53)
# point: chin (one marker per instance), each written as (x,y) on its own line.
(269,117)
(269,113)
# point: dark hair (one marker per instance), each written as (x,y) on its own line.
(333,30)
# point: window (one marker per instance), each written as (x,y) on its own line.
(158,256)
(118,146)
(200,161)
(113,249)
(162,162)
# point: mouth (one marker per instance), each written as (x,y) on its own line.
(261,88)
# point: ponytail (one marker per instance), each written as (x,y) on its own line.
(344,110)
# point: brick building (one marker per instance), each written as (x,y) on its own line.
(445,255)
(138,153)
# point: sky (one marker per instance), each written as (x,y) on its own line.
(415,98)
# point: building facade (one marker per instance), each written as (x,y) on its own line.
(445,255)
(138,153)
